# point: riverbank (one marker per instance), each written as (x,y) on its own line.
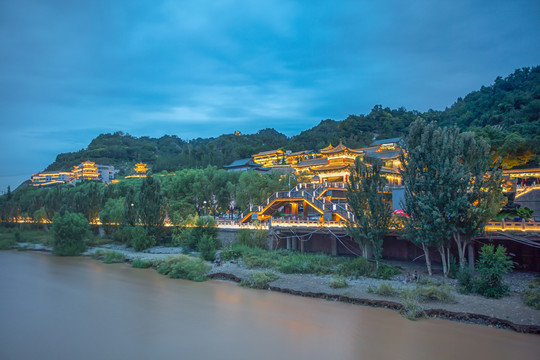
(508,312)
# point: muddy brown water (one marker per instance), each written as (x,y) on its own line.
(78,308)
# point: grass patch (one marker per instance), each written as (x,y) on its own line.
(259,280)
(384,289)
(339,282)
(531,295)
(184,267)
(109,256)
(412,309)
(442,292)
(142,264)
(7,243)
(356,268)
(7,235)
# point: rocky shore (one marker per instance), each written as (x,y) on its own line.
(508,312)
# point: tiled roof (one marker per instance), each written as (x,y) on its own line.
(268,152)
(313,162)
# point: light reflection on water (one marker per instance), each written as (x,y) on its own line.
(67,308)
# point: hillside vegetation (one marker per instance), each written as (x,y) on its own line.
(506,113)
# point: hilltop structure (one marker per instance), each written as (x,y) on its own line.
(87,170)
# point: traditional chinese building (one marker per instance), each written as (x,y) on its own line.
(85,171)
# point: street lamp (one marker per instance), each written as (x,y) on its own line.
(204,202)
(291,174)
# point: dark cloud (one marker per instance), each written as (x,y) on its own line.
(198,68)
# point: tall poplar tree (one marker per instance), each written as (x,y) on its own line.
(371,208)
(151,205)
(451,189)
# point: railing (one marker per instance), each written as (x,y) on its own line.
(513,226)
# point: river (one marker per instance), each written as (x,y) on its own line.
(78,308)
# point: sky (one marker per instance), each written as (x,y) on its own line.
(71,70)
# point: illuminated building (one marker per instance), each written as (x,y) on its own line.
(141,169)
(85,171)
(49,178)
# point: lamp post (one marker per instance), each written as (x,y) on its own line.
(290,179)
(204,202)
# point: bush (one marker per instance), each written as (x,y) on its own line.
(355,268)
(259,280)
(184,267)
(443,293)
(384,289)
(531,295)
(466,281)
(17,235)
(140,239)
(492,266)
(386,272)
(113,257)
(339,282)
(412,309)
(69,232)
(141,264)
(207,247)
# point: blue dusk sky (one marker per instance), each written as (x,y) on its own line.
(71,70)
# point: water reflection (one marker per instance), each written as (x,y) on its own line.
(65,308)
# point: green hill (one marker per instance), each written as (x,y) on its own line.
(506,113)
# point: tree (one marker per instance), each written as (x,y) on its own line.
(451,188)
(69,230)
(130,213)
(371,208)
(151,205)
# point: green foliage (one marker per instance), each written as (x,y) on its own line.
(384,289)
(184,267)
(207,247)
(370,206)
(7,243)
(338,282)
(442,293)
(139,238)
(259,280)
(253,238)
(151,205)
(466,281)
(524,213)
(69,232)
(109,256)
(356,268)
(141,264)
(531,295)
(412,309)
(492,265)
(386,272)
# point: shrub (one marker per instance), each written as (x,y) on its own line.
(492,266)
(207,247)
(338,282)
(259,280)
(244,237)
(69,232)
(412,309)
(386,272)
(356,267)
(184,267)
(384,289)
(466,280)
(141,264)
(17,235)
(443,293)
(109,256)
(531,295)
(140,238)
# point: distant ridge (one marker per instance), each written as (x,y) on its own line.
(506,113)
